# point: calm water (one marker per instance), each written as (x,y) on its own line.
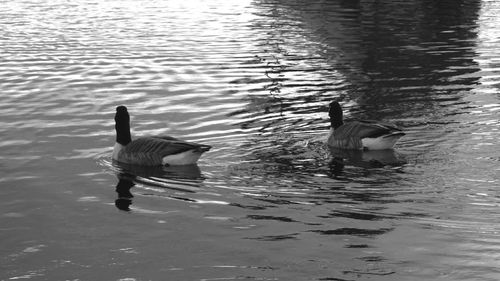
(253,79)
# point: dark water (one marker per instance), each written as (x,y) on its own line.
(253,79)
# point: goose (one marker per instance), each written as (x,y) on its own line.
(152,151)
(360,135)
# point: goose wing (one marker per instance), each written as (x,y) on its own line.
(151,150)
(365,129)
(183,144)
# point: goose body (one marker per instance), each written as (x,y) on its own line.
(152,151)
(360,135)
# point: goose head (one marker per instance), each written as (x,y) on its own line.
(336,116)
(122,126)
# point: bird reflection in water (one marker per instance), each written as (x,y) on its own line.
(368,159)
(125,183)
(179,178)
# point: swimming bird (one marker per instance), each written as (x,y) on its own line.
(360,135)
(152,151)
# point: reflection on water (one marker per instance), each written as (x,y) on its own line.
(254,80)
(123,187)
(365,159)
(181,179)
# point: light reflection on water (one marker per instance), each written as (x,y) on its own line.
(253,79)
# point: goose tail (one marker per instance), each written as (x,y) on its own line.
(397,134)
(202,148)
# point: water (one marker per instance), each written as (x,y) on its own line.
(253,79)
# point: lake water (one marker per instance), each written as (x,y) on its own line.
(252,78)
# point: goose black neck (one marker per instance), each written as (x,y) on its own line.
(122,126)
(336,116)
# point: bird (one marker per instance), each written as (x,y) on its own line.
(361,134)
(152,150)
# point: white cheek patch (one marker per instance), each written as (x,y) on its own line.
(116,150)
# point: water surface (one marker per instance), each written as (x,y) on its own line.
(253,79)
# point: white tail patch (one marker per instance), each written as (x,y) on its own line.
(184,158)
(381,143)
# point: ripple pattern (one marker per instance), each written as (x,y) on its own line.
(254,80)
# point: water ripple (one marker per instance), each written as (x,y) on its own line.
(254,80)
